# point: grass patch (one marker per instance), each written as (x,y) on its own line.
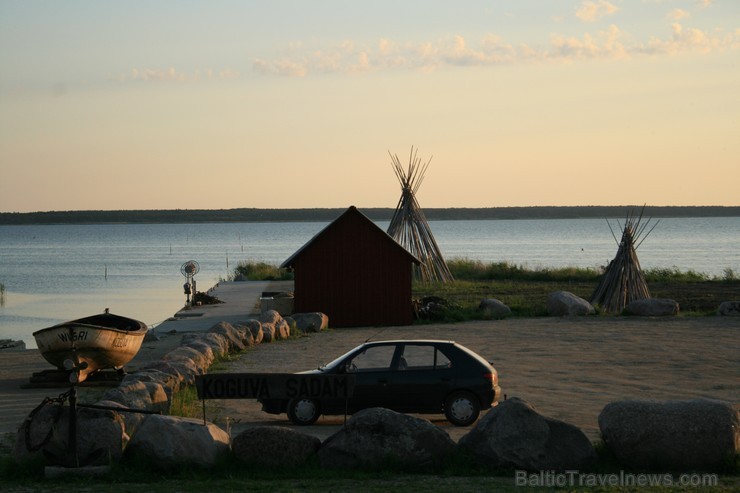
(260,271)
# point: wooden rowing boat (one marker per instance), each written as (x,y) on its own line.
(87,345)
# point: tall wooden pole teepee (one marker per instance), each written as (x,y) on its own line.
(623,280)
(409,226)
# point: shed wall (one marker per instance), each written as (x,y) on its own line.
(356,275)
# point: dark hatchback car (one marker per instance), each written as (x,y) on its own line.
(408,376)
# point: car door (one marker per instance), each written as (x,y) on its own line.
(373,372)
(425,376)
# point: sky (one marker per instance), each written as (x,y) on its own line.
(108,105)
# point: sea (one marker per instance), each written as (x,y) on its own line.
(54,273)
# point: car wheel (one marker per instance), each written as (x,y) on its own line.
(462,408)
(303,411)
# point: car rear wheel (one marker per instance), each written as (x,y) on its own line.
(303,411)
(462,408)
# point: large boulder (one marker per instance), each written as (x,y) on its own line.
(514,435)
(170,441)
(310,322)
(652,307)
(563,303)
(270,317)
(231,334)
(170,384)
(493,308)
(169,371)
(729,309)
(218,342)
(374,436)
(671,435)
(255,327)
(282,329)
(274,446)
(134,395)
(100,437)
(268,332)
(200,359)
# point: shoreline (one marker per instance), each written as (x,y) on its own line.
(163,216)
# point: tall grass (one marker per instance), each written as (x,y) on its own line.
(475,270)
(260,271)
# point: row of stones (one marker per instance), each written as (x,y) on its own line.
(118,417)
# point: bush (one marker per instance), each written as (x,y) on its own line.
(261,271)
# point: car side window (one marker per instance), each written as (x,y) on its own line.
(376,358)
(424,358)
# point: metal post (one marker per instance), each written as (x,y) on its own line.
(72,459)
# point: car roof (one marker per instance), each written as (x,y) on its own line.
(411,341)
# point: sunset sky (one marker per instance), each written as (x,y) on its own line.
(288,104)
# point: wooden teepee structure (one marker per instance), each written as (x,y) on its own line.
(409,227)
(623,280)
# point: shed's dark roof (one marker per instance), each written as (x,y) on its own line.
(352,210)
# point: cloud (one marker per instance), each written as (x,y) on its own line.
(692,40)
(168,74)
(678,14)
(604,45)
(592,11)
(490,50)
(173,75)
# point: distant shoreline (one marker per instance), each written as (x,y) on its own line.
(374,213)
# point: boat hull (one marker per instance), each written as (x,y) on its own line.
(92,343)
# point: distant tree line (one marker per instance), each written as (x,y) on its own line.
(376,214)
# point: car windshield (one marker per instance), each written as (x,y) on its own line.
(333,364)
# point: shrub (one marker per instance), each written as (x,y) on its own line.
(261,271)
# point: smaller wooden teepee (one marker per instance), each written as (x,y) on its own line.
(623,280)
(409,226)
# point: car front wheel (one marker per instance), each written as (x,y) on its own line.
(303,411)
(462,408)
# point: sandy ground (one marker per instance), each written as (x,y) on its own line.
(567,368)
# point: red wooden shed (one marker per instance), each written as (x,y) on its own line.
(355,273)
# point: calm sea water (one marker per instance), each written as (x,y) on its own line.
(54,273)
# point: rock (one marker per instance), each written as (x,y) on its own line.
(514,435)
(375,435)
(218,342)
(652,307)
(131,421)
(310,322)
(100,437)
(729,309)
(186,368)
(679,435)
(493,308)
(270,317)
(203,348)
(563,303)
(282,329)
(169,441)
(167,368)
(134,395)
(200,359)
(151,336)
(268,332)
(232,336)
(274,446)
(257,332)
(169,382)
